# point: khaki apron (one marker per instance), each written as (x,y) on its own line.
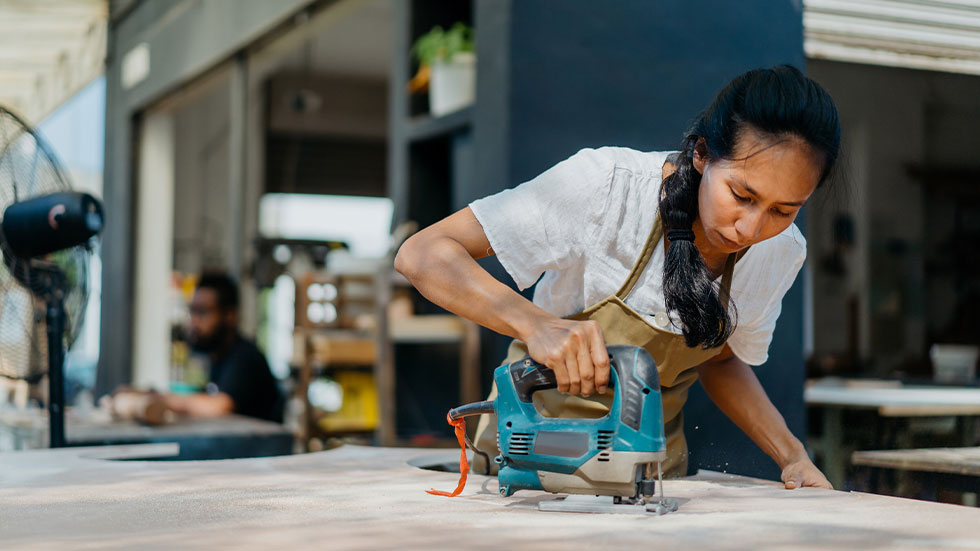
(622,325)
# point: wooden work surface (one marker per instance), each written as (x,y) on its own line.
(893,399)
(965,461)
(371,498)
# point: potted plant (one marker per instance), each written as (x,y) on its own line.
(447,64)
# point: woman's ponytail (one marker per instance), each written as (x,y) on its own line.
(688,287)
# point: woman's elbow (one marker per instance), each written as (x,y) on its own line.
(423,256)
(407,258)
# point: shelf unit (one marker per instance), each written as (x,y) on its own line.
(426,127)
(420,330)
(430,159)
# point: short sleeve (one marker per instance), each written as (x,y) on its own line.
(239,380)
(545,223)
(751,339)
(246,378)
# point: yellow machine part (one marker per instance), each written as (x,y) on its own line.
(359,408)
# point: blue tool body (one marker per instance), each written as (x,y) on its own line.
(532,445)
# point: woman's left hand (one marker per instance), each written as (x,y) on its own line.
(802,472)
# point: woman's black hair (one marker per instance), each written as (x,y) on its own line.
(777,102)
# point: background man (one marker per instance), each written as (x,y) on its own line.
(240,379)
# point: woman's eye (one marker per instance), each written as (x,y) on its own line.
(739,198)
(782,214)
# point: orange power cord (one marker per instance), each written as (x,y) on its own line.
(464,466)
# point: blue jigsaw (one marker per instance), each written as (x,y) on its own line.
(617,455)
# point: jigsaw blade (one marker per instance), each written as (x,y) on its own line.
(605,504)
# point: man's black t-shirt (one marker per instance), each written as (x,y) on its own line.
(243,374)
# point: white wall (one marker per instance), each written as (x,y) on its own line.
(892,119)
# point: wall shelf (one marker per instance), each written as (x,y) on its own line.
(426,127)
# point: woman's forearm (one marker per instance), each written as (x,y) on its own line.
(733,387)
(444,272)
(440,262)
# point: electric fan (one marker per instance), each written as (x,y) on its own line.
(45,232)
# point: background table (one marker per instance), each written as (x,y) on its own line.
(888,399)
(227,437)
(956,469)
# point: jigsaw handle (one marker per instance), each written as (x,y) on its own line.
(633,374)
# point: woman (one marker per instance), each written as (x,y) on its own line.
(700,245)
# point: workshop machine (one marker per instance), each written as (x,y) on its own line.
(610,464)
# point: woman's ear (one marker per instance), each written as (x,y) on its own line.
(700,155)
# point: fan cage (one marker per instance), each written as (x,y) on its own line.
(28,168)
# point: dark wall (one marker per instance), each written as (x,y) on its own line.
(555,77)
(631,72)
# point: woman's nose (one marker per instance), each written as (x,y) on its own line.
(749,225)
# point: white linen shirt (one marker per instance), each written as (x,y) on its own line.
(583,223)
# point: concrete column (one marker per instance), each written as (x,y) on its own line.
(154,252)
(238,238)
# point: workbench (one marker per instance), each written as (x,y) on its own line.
(225,437)
(950,468)
(888,400)
(373,498)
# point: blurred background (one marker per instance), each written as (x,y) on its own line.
(294,144)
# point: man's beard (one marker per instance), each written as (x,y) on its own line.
(208,344)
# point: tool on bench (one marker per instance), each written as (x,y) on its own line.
(612,463)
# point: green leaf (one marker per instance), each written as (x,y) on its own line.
(442,45)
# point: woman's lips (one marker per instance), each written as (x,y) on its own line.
(728,242)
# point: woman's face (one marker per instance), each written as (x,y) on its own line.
(756,196)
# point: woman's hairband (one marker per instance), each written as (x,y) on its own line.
(680,235)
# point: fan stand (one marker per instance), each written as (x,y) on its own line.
(53,284)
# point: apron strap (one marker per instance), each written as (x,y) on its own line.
(655,234)
(724,293)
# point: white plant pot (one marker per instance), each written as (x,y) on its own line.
(453,84)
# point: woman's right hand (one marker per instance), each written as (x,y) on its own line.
(575,351)
(440,262)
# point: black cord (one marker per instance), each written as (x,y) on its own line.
(476,408)
(476,450)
